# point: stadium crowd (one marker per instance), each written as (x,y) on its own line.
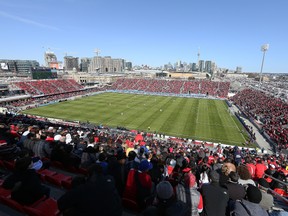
(137,171)
(49,87)
(216,89)
(270,112)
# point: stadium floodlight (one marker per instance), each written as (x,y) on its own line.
(264,48)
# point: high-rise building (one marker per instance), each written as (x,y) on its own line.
(208,66)
(84,64)
(106,65)
(19,66)
(128,66)
(71,63)
(238,69)
(194,67)
(201,66)
(50,60)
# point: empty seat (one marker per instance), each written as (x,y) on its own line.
(46,172)
(57,179)
(47,207)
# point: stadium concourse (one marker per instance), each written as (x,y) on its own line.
(131,172)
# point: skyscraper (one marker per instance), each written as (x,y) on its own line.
(50,59)
(201,66)
(106,64)
(208,66)
(84,64)
(71,63)
(19,66)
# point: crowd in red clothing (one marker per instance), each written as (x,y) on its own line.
(48,87)
(151,175)
(217,89)
(270,111)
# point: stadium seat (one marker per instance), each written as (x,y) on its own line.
(2,165)
(45,172)
(67,183)
(47,207)
(57,179)
(4,193)
(57,164)
(12,204)
(130,204)
(9,164)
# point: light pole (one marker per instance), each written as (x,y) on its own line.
(97,51)
(264,48)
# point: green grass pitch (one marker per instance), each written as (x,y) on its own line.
(201,119)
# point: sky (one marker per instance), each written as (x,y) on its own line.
(149,32)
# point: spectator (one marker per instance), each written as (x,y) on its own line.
(98,196)
(259,169)
(245,176)
(143,182)
(166,203)
(236,191)
(267,199)
(250,206)
(42,148)
(25,183)
(215,197)
(187,192)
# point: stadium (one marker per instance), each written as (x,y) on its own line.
(177,124)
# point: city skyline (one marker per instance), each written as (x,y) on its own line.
(149,32)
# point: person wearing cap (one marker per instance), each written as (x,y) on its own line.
(267,201)
(249,206)
(215,197)
(186,191)
(165,202)
(143,182)
(139,184)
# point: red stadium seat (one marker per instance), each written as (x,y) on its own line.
(12,204)
(47,207)
(130,204)
(45,172)
(67,183)
(4,193)
(9,164)
(57,179)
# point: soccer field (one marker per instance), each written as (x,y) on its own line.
(200,119)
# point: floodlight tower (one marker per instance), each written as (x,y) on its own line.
(198,54)
(264,48)
(97,52)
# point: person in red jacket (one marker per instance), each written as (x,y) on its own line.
(259,169)
(139,184)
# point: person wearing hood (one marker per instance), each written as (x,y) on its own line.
(186,191)
(249,206)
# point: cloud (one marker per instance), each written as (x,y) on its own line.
(27,21)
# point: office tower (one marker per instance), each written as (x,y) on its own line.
(50,60)
(208,66)
(19,66)
(84,64)
(201,66)
(71,63)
